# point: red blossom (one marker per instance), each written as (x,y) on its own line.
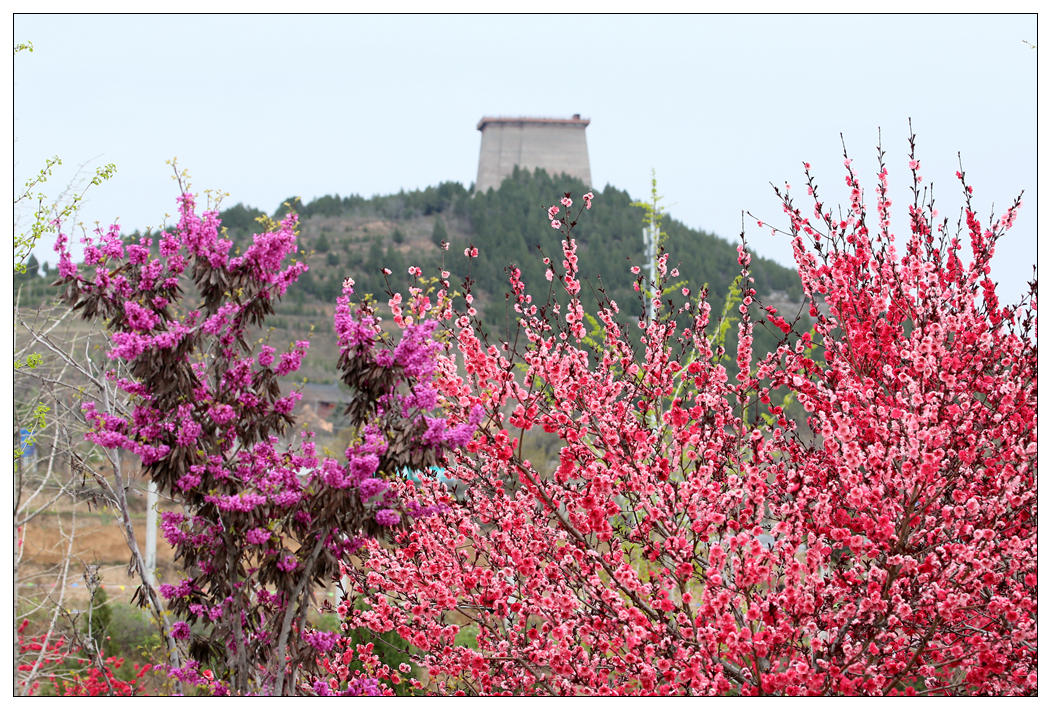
(881,541)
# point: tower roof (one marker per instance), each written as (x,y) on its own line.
(574,121)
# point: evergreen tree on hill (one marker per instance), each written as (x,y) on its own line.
(440,233)
(322,246)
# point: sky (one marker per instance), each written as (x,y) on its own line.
(265,107)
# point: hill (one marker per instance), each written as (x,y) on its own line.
(357,236)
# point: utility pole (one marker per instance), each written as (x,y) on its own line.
(151,533)
(651,243)
(650,238)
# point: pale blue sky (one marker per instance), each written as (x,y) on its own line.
(265,107)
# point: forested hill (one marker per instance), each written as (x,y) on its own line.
(357,236)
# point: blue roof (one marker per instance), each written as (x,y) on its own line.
(439,474)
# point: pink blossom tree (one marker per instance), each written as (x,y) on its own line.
(694,539)
(263,522)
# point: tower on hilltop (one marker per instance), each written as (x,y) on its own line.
(555,144)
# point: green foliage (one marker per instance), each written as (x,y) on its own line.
(27,271)
(291,204)
(32,361)
(509,225)
(48,213)
(322,246)
(404,205)
(240,222)
(329,206)
(239,216)
(131,632)
(440,233)
(328,622)
(389,647)
(97,620)
(398,236)
(393,260)
(729,312)
(467,637)
(654,216)
(37,418)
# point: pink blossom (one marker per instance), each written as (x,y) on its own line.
(387,518)
(257,535)
(265,356)
(138,317)
(288,564)
(180,630)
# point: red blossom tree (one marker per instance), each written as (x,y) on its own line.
(55,660)
(693,538)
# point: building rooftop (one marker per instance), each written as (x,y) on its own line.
(574,121)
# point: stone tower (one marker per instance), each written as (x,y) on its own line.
(555,144)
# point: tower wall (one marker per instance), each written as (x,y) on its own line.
(556,145)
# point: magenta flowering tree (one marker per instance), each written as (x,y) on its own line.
(693,538)
(263,521)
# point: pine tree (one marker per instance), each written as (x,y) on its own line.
(440,233)
(322,245)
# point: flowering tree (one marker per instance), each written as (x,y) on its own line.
(65,673)
(263,522)
(693,538)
